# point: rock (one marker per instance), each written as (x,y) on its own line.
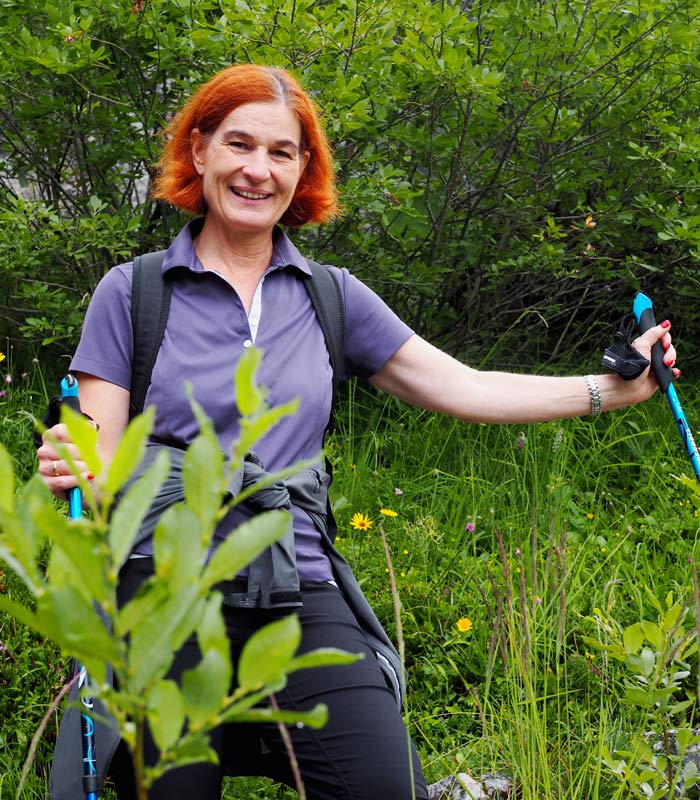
(464,787)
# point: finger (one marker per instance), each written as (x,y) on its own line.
(57,433)
(670,356)
(655,333)
(57,467)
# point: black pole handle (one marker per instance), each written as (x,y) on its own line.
(664,374)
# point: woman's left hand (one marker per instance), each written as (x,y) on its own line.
(646,383)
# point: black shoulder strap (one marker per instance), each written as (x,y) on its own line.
(327,300)
(150,306)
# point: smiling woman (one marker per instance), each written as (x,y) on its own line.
(246,154)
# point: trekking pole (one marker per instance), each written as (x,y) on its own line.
(69,396)
(643,310)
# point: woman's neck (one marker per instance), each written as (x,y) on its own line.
(238,256)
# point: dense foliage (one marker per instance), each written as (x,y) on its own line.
(502,162)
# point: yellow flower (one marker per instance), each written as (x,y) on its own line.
(405,552)
(464,625)
(589,515)
(388,512)
(361,522)
(2,356)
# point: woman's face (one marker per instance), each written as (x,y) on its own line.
(250,167)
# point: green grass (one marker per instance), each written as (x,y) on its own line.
(524,530)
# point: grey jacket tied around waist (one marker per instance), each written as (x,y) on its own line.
(273,580)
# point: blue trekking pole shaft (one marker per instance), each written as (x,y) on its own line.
(69,396)
(644,312)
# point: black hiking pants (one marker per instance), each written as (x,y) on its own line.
(362,753)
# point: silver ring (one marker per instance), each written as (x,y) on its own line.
(55,469)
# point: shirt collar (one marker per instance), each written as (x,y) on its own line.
(181,252)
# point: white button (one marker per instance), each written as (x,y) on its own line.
(247,343)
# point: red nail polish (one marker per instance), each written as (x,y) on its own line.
(667,345)
(90,476)
(665,324)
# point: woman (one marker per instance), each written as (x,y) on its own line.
(246,153)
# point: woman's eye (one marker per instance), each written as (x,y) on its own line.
(282,154)
(238,145)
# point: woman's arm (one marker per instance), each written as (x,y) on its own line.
(424,376)
(108,405)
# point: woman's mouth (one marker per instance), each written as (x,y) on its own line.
(248,194)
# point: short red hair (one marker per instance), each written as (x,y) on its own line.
(178,182)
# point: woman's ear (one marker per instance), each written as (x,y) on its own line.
(198,144)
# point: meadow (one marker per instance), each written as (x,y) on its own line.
(547,583)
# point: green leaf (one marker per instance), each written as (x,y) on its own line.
(249,398)
(633,638)
(638,697)
(77,558)
(205,687)
(7,481)
(268,653)
(178,549)
(211,632)
(243,544)
(653,634)
(157,637)
(166,714)
(315,718)
(202,475)
(18,548)
(648,659)
(75,626)
(323,657)
(131,509)
(192,749)
(83,434)
(253,429)
(672,616)
(129,452)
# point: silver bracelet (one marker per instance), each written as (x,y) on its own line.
(594,394)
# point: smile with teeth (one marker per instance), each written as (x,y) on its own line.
(249,194)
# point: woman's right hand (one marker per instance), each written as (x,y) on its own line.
(53,469)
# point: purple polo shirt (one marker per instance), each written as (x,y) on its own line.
(207,332)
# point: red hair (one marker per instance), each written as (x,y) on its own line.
(178,182)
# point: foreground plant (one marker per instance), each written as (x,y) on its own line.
(75,596)
(655,655)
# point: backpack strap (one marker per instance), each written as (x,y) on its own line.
(327,300)
(150,306)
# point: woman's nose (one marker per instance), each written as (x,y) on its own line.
(257,167)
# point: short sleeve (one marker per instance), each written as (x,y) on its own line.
(373,332)
(106,343)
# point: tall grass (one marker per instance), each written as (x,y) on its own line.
(524,531)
